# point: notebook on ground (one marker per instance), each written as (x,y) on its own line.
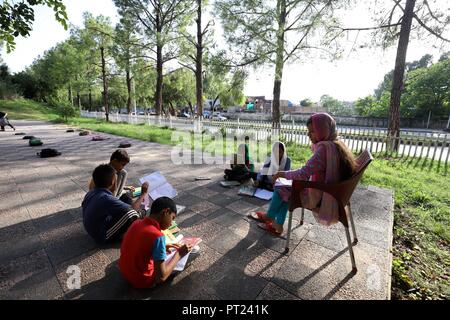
(228,184)
(247,191)
(263,194)
(180,209)
(256,192)
(158,186)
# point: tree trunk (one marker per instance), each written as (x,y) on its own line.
(69,94)
(159,66)
(214,103)
(190,107)
(128,79)
(78,100)
(279,63)
(90,99)
(105,84)
(397,82)
(199,61)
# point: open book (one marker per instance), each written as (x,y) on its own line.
(181,263)
(181,240)
(158,186)
(256,192)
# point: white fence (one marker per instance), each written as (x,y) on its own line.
(412,144)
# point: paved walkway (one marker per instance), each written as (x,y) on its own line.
(41,231)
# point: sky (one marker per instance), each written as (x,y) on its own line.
(354,76)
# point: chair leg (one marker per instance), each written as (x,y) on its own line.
(350,249)
(288,237)
(303,216)
(355,238)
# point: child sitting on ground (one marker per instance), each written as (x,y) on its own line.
(105,217)
(143,251)
(118,160)
(242,166)
(278,161)
(332,162)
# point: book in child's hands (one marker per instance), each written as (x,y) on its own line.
(193,241)
(158,186)
(181,263)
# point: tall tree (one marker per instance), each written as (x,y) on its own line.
(396,23)
(195,50)
(125,48)
(100,33)
(275,33)
(16,18)
(161,21)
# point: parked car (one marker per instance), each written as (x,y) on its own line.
(184,115)
(218,117)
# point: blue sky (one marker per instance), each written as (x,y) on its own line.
(356,75)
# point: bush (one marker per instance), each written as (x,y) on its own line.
(63,108)
(8,91)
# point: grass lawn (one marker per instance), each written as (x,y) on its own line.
(421,264)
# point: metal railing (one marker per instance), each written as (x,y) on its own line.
(411,143)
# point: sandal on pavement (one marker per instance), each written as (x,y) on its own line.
(259,216)
(269,228)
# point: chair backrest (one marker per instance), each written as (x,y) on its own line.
(346,188)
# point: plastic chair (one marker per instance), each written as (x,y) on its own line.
(341,191)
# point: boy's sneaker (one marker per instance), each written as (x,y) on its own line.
(195,249)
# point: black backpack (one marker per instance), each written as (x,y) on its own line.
(28,137)
(48,153)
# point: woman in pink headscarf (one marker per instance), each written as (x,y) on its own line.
(332,162)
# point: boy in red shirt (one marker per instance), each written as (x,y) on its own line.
(143,251)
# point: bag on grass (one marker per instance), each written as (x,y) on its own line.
(48,153)
(84,133)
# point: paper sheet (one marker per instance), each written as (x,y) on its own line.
(181,263)
(263,194)
(158,186)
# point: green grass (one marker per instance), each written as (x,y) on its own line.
(27,109)
(421,261)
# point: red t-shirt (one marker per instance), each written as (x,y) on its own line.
(136,261)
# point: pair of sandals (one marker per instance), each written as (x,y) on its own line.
(264,222)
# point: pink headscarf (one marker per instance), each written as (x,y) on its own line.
(324,127)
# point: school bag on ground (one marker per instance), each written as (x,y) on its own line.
(48,153)
(124,145)
(35,142)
